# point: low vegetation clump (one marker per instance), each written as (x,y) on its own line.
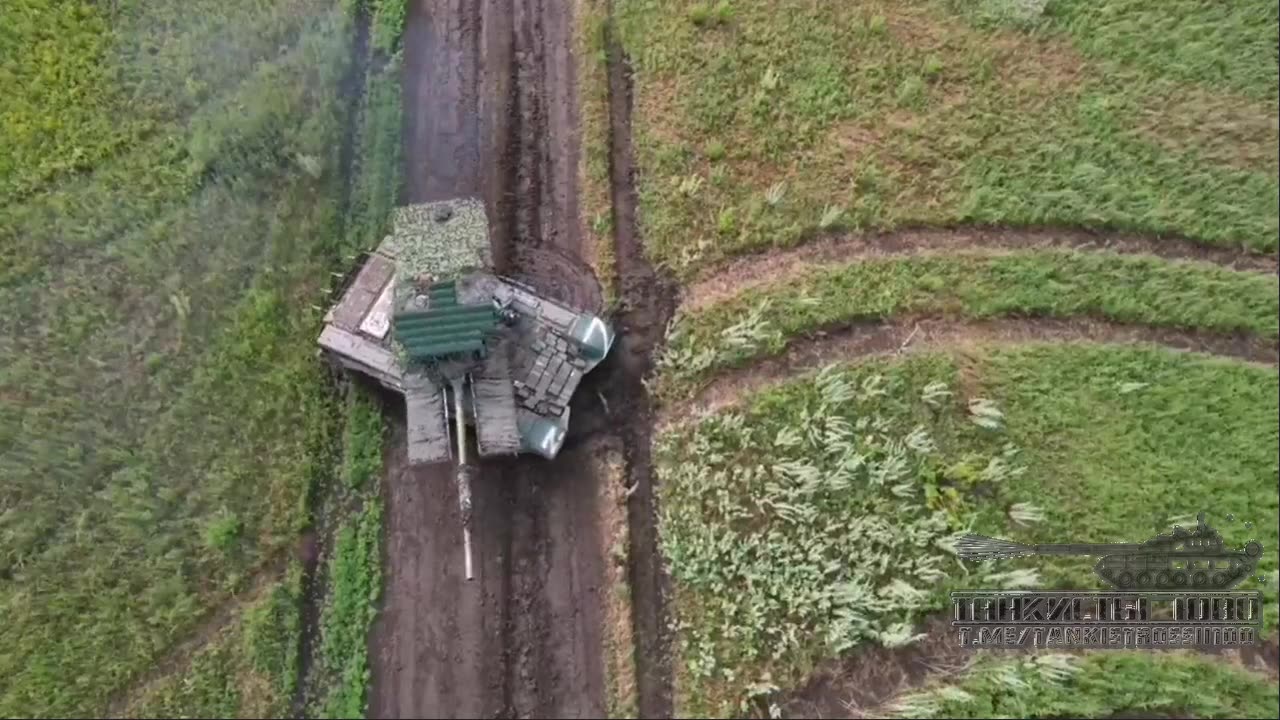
(1138,290)
(354,570)
(760,124)
(1096,685)
(355,584)
(807,525)
(819,515)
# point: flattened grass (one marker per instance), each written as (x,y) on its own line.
(1113,444)
(1131,289)
(776,121)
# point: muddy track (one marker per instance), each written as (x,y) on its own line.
(648,302)
(489,103)
(728,278)
(907,334)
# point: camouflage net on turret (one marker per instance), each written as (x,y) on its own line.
(426,246)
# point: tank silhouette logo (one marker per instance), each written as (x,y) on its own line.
(1175,589)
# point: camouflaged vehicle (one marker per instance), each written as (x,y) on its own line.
(426,316)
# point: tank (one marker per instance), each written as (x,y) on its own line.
(1181,560)
(425,312)
(426,315)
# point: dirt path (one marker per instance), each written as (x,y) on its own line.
(728,278)
(906,335)
(489,110)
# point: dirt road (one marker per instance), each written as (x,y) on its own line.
(489,110)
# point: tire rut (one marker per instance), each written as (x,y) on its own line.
(728,278)
(926,333)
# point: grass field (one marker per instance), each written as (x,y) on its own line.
(1096,686)
(761,321)
(248,669)
(172,207)
(816,517)
(760,124)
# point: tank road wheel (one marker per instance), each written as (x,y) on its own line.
(1125,580)
(1179,579)
(1253,549)
(1219,579)
(1144,579)
(1200,579)
(1162,579)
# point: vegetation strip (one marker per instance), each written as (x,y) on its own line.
(828,503)
(763,320)
(906,335)
(729,278)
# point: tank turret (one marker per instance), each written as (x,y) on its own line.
(1180,560)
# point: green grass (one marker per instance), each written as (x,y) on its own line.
(165,414)
(1231,46)
(339,688)
(880,114)
(761,321)
(362,450)
(787,526)
(355,574)
(249,669)
(85,81)
(1099,685)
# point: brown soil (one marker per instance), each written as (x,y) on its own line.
(906,334)
(729,278)
(489,98)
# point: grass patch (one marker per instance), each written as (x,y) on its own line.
(817,516)
(1230,46)
(249,669)
(355,583)
(362,451)
(1098,685)
(761,128)
(761,321)
(595,194)
(166,416)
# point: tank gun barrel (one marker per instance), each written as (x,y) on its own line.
(1087,548)
(463,476)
